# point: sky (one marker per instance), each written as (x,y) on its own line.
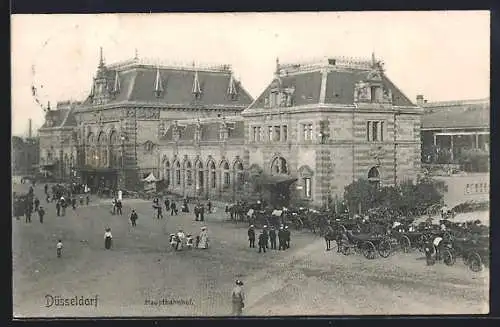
(444,55)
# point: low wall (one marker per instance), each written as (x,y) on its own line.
(462,188)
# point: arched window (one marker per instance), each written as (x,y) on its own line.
(200,176)
(178,173)
(166,172)
(279,166)
(239,175)
(113,149)
(374,176)
(212,174)
(226,175)
(189,173)
(102,152)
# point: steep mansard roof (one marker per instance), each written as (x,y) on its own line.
(340,85)
(137,83)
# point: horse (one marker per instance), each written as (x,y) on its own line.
(330,234)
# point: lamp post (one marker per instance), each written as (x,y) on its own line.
(122,160)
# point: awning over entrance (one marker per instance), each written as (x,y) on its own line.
(279,180)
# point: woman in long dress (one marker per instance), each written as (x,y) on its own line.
(108,238)
(203,239)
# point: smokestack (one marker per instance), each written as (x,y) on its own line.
(29,128)
(420,100)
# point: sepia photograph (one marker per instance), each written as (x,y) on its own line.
(250,164)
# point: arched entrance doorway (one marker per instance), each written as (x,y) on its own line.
(279,183)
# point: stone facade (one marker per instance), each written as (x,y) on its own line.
(316,128)
(319,125)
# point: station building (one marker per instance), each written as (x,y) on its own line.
(317,127)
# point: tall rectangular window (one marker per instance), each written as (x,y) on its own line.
(285,133)
(254,134)
(227,178)
(368,130)
(375,131)
(310,128)
(277,133)
(307,187)
(270,133)
(214,179)
(381,131)
(259,134)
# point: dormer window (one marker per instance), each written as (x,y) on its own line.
(158,88)
(196,86)
(231,89)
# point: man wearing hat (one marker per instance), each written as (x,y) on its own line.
(281,238)
(133,218)
(41,213)
(272,237)
(238,298)
(251,236)
(287,237)
(266,236)
(262,241)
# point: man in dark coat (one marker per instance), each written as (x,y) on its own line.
(167,205)
(133,217)
(58,207)
(209,206)
(251,236)
(272,238)
(27,213)
(281,238)
(202,213)
(262,242)
(41,213)
(287,237)
(37,204)
(73,203)
(196,212)
(266,236)
(160,213)
(173,208)
(46,188)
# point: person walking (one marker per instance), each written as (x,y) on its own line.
(238,299)
(108,238)
(202,213)
(287,237)
(196,212)
(272,238)
(173,208)
(133,218)
(266,236)
(209,206)
(37,204)
(203,239)
(159,212)
(41,213)
(251,236)
(59,247)
(73,203)
(281,238)
(262,242)
(167,205)
(58,207)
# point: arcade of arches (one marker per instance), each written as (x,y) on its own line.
(204,178)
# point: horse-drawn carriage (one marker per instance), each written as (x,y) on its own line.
(366,243)
(473,246)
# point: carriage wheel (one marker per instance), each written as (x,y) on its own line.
(369,250)
(384,248)
(405,243)
(449,258)
(475,262)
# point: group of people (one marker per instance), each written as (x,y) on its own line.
(180,240)
(170,205)
(268,236)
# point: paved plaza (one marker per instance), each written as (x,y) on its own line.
(141,271)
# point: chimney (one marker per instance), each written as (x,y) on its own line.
(420,100)
(29,128)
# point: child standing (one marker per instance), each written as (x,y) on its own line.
(59,247)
